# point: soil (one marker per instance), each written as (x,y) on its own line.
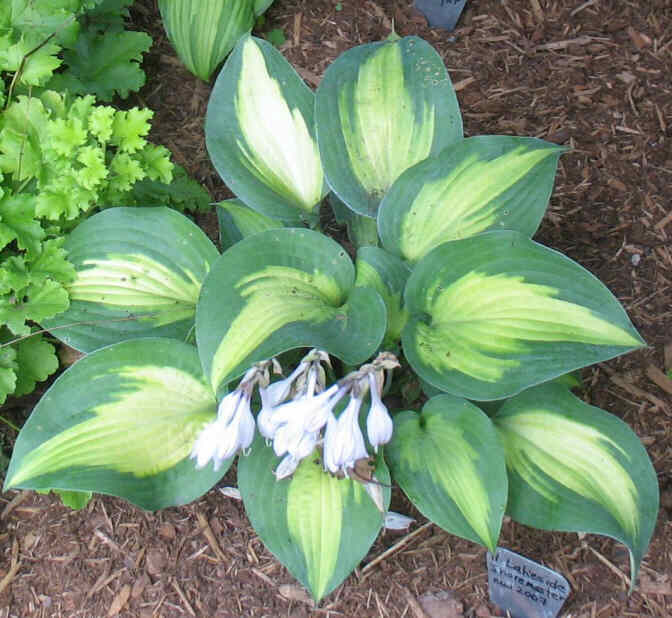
(593,75)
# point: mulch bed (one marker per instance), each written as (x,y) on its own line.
(592,75)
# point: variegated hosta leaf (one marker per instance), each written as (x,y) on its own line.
(497,313)
(121,421)
(139,274)
(381,108)
(203,33)
(480,183)
(283,289)
(575,467)
(260,6)
(318,526)
(362,230)
(237,221)
(260,135)
(450,464)
(386,274)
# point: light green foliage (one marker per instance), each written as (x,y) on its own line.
(60,160)
(86,37)
(72,155)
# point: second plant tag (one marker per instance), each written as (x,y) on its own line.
(523,588)
(441,13)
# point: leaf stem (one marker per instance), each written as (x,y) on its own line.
(7,422)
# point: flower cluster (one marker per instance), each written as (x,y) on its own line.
(297,415)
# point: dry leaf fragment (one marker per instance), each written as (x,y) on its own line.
(294,593)
(441,605)
(639,39)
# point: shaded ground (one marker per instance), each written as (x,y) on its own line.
(592,75)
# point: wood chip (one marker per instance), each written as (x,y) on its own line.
(463,83)
(667,354)
(398,545)
(139,586)
(537,10)
(120,600)
(183,598)
(210,537)
(13,503)
(639,40)
(15,565)
(660,585)
(555,45)
(659,378)
(416,608)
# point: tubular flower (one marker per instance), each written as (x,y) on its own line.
(231,431)
(296,423)
(378,422)
(343,439)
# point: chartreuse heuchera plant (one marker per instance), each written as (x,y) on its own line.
(446,289)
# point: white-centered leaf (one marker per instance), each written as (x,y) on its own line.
(260,134)
(277,143)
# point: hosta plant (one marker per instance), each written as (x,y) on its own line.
(446,290)
(204,33)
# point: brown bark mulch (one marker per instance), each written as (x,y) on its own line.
(594,75)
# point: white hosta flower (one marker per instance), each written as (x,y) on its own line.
(397,521)
(231,431)
(276,393)
(378,422)
(308,413)
(343,439)
(286,467)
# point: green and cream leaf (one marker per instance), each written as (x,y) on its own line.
(450,464)
(444,198)
(123,421)
(138,274)
(497,313)
(287,288)
(237,221)
(260,134)
(381,108)
(386,274)
(318,526)
(575,467)
(203,33)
